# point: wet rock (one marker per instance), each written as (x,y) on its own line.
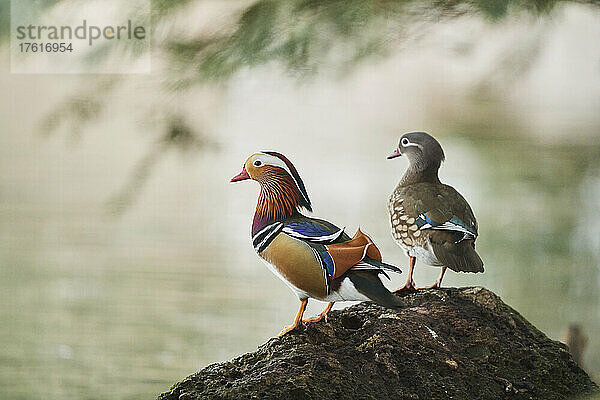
(442,344)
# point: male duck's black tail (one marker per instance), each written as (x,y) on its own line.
(369,284)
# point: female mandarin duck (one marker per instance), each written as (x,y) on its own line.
(315,258)
(431,221)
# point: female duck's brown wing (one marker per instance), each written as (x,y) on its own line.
(441,213)
(458,256)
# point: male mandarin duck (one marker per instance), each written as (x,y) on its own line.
(315,258)
(431,221)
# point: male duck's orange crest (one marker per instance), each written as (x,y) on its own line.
(279,197)
(282,191)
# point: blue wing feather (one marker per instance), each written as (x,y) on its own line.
(326,260)
(308,228)
(312,231)
(425,221)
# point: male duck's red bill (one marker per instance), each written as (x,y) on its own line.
(242,176)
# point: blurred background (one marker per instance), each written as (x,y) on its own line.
(125,255)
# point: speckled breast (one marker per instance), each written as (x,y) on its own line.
(407,234)
(404,229)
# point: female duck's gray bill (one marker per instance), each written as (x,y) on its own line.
(395,154)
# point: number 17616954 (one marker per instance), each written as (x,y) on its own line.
(34,47)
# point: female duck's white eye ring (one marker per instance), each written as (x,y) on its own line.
(404,142)
(257,163)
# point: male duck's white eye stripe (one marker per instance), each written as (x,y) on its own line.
(277,162)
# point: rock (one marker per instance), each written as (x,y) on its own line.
(442,344)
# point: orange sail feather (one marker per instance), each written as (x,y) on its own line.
(345,255)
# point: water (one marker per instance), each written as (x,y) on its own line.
(95,307)
(98,306)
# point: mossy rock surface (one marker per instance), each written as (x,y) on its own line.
(442,344)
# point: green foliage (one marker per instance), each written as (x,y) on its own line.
(302,34)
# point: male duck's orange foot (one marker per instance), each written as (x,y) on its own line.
(323,315)
(297,320)
(315,318)
(288,328)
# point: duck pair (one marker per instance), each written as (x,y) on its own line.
(430,221)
